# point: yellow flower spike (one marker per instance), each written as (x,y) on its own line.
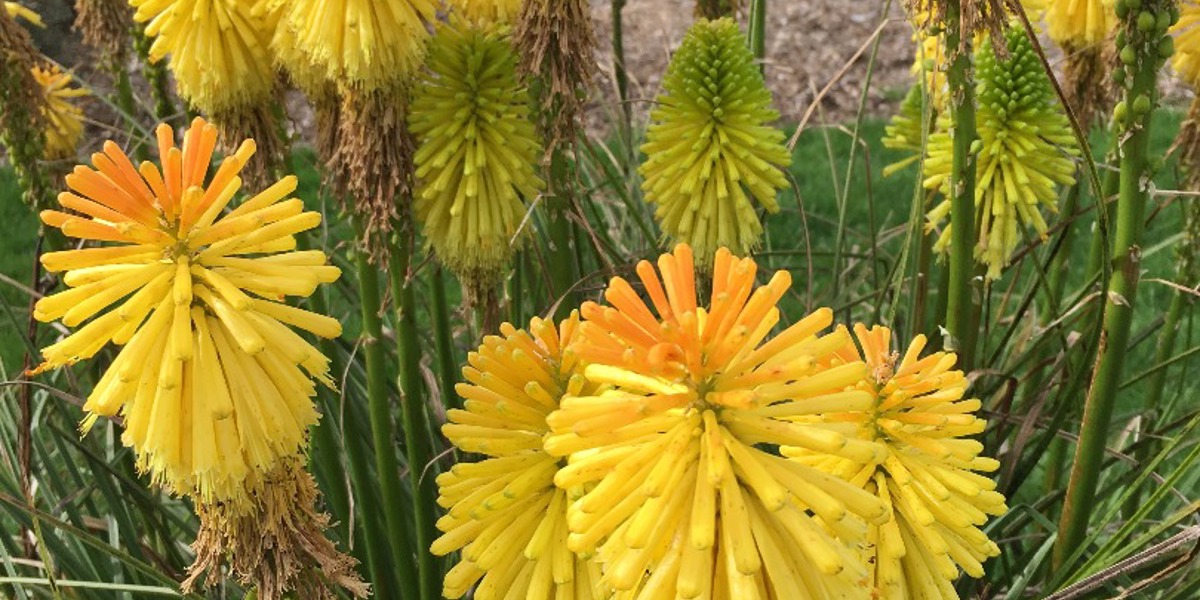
(711,155)
(1080,23)
(215,388)
(159,287)
(930,480)
(487,11)
(64,119)
(1024,151)
(15,10)
(366,44)
(504,512)
(477,151)
(218,50)
(680,495)
(1186,60)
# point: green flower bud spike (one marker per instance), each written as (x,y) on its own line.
(477,153)
(709,150)
(1025,145)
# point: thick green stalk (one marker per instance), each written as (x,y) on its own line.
(1143,48)
(758,30)
(444,340)
(622,75)
(414,420)
(960,299)
(387,470)
(561,254)
(156,74)
(1185,274)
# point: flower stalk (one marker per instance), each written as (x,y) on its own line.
(414,418)
(382,433)
(961,308)
(1143,51)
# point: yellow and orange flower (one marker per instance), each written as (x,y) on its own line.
(64,119)
(214,385)
(684,495)
(930,479)
(504,512)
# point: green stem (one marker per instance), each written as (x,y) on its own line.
(387,470)
(622,75)
(414,420)
(447,364)
(758,30)
(561,255)
(123,97)
(1152,408)
(1122,284)
(960,302)
(156,74)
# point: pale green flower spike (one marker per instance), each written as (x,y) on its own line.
(1024,152)
(709,149)
(477,150)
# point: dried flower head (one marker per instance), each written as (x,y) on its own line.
(105,26)
(557,44)
(63,118)
(477,151)
(504,512)
(684,494)
(710,151)
(1023,152)
(276,544)
(930,480)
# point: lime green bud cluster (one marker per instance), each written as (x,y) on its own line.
(478,151)
(1024,148)
(709,149)
(906,131)
(1144,44)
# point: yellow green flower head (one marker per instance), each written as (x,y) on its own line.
(709,150)
(368,44)
(1186,60)
(906,131)
(64,120)
(684,494)
(214,385)
(218,50)
(1076,24)
(1023,152)
(504,512)
(487,11)
(15,10)
(930,477)
(478,152)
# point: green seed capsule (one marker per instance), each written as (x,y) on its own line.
(1122,9)
(1166,47)
(1128,56)
(1132,4)
(1120,111)
(1146,21)
(1164,22)
(1141,106)
(1118,74)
